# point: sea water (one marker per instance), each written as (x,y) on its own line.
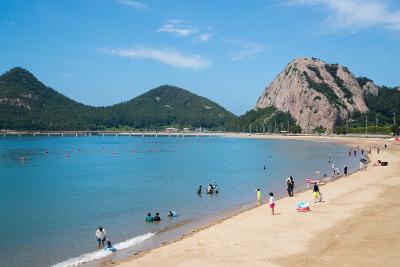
(56,191)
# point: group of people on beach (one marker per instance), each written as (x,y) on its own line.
(103,241)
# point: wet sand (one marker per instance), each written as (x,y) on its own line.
(356,225)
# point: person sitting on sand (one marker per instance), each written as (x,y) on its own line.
(316,193)
(157,217)
(149,218)
(272,202)
(101,236)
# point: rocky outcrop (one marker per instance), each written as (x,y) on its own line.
(316,93)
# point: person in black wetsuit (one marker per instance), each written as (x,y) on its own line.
(199,190)
(345,169)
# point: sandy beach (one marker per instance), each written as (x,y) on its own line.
(357,224)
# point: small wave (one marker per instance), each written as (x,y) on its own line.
(103,253)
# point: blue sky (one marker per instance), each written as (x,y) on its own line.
(102,52)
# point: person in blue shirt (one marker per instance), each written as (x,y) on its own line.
(149,218)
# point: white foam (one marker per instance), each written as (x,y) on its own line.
(103,253)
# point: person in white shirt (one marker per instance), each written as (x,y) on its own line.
(101,236)
(272,202)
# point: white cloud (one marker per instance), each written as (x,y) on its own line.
(134,4)
(183,29)
(179,28)
(355,15)
(170,57)
(204,37)
(247,49)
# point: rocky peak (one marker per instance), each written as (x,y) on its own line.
(316,93)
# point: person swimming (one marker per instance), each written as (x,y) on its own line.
(157,218)
(215,189)
(199,190)
(209,189)
(149,218)
(171,214)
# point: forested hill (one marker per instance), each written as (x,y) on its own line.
(27,104)
(169,105)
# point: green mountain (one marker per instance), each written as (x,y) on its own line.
(268,119)
(27,104)
(169,106)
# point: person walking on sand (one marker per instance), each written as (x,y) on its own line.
(272,202)
(316,193)
(101,236)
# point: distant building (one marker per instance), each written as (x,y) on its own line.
(186,130)
(171,129)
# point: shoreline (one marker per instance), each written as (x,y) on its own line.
(140,258)
(179,232)
(147,133)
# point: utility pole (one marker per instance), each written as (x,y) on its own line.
(366,123)
(250,128)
